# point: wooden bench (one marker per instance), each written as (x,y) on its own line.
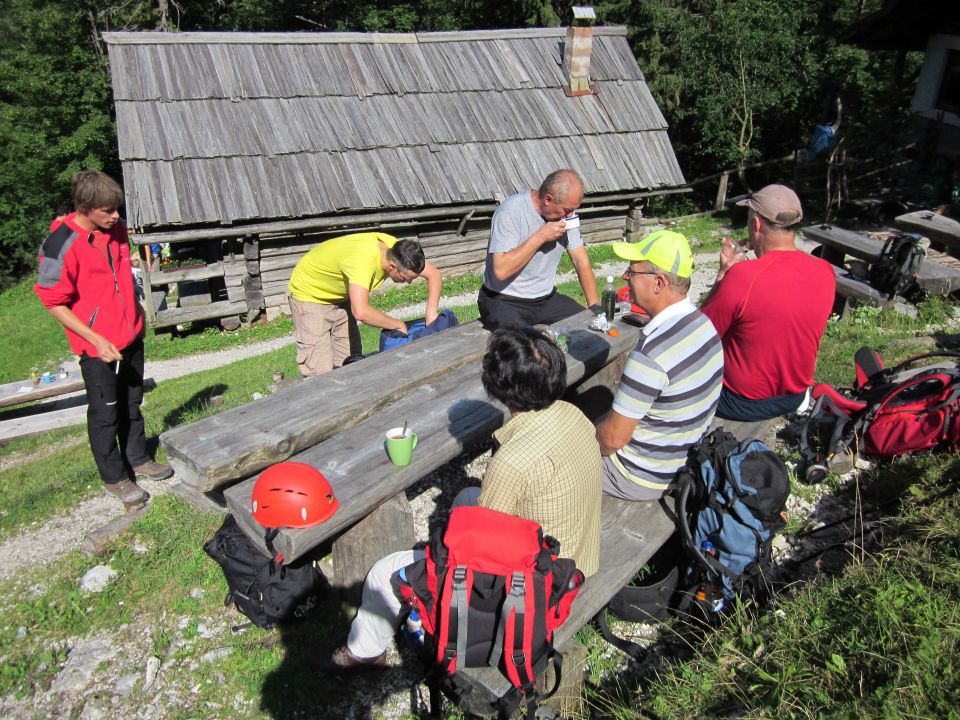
(942,231)
(838,243)
(448,413)
(631,532)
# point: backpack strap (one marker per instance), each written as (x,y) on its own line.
(627,646)
(455,653)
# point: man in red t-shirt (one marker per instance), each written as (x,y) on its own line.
(770,313)
(86,284)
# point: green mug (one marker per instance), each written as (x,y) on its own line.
(399,446)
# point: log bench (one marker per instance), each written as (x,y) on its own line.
(838,243)
(630,533)
(449,413)
(943,232)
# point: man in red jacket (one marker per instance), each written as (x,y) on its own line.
(86,284)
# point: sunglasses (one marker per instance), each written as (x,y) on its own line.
(627,274)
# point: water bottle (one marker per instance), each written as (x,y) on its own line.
(608,299)
(716,589)
(413,630)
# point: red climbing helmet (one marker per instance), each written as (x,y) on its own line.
(292,494)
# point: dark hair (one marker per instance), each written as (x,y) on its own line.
(524,369)
(408,255)
(94,190)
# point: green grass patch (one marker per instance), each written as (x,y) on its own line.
(26,325)
(879,640)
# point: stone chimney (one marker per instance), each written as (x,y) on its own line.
(576,53)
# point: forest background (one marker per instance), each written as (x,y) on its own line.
(738,80)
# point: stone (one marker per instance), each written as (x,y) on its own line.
(81,664)
(93,710)
(196,593)
(150,672)
(125,685)
(97,578)
(216,655)
(906,309)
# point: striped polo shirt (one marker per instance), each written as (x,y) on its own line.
(671,385)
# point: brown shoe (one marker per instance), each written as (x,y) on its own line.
(153,470)
(342,661)
(127,492)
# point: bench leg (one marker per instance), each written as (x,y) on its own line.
(567,702)
(387,529)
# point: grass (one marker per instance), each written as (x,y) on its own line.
(879,640)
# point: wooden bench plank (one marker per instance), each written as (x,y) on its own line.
(448,415)
(11,393)
(933,277)
(848,287)
(940,229)
(241,441)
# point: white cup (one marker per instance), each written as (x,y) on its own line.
(572,222)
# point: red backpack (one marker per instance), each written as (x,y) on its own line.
(889,412)
(491,592)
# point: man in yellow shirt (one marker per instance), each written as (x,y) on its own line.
(330,290)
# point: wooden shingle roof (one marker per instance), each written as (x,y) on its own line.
(218,128)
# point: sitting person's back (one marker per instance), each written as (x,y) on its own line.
(770,313)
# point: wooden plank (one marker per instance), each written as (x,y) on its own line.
(848,287)
(933,277)
(10,393)
(219,309)
(448,414)
(184,274)
(242,441)
(938,228)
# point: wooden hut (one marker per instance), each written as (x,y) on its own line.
(244,150)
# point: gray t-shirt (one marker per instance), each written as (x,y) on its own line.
(514,221)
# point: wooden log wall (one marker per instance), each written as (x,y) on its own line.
(454,246)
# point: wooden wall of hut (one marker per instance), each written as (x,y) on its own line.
(454,246)
(245,276)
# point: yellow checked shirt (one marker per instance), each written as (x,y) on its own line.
(548,469)
(324,274)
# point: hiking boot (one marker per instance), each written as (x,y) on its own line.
(127,492)
(153,470)
(342,661)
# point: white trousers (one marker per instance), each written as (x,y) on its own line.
(381,611)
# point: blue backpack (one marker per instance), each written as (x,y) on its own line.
(730,502)
(390,339)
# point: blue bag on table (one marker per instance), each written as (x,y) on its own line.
(390,339)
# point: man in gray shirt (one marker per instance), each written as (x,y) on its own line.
(529,232)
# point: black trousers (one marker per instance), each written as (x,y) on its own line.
(114,421)
(500,311)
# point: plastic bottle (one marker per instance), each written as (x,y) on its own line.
(716,589)
(608,299)
(413,630)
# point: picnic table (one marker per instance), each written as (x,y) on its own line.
(336,422)
(838,243)
(24,391)
(941,230)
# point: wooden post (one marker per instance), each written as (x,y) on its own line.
(722,192)
(387,529)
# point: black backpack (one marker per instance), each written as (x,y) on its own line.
(264,591)
(895,271)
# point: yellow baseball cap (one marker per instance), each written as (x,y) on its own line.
(667,249)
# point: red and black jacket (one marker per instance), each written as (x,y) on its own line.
(98,288)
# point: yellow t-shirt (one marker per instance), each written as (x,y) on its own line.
(324,273)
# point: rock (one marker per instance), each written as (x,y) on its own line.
(82,662)
(125,685)
(150,672)
(216,655)
(205,631)
(140,548)
(97,578)
(21,632)
(256,396)
(196,593)
(906,309)
(93,710)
